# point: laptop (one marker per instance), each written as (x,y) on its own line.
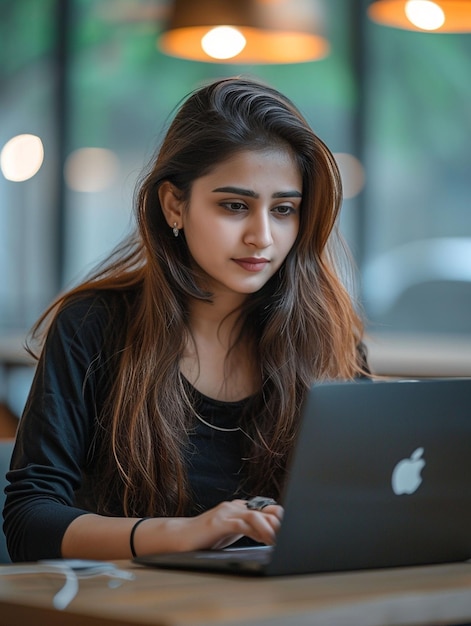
(380,477)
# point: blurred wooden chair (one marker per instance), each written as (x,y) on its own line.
(8,422)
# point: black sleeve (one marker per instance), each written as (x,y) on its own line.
(54,435)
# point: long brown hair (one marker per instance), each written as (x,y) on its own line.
(302,322)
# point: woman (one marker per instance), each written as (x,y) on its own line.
(170,383)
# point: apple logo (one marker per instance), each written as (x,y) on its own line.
(406,476)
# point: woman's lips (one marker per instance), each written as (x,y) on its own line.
(252,264)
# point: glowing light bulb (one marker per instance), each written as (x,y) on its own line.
(223,42)
(21,157)
(425,14)
(352,174)
(91,170)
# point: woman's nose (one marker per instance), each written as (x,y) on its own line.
(258,231)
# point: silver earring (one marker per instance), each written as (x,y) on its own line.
(175,230)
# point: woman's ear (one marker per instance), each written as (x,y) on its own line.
(172,205)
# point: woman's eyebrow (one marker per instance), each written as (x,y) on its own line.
(251,194)
(288,194)
(238,191)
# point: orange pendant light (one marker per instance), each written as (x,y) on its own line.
(437,16)
(245,31)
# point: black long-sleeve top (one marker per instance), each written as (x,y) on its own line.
(50,484)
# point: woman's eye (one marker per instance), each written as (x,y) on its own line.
(284,210)
(234,206)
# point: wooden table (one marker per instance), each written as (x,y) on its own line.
(423,595)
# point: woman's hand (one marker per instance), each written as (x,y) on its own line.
(92,536)
(229,521)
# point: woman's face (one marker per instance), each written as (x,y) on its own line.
(243,219)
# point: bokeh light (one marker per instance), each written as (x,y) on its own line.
(21,157)
(91,169)
(352,173)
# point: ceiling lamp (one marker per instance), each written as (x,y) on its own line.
(245,31)
(440,16)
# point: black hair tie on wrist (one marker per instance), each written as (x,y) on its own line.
(133,530)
